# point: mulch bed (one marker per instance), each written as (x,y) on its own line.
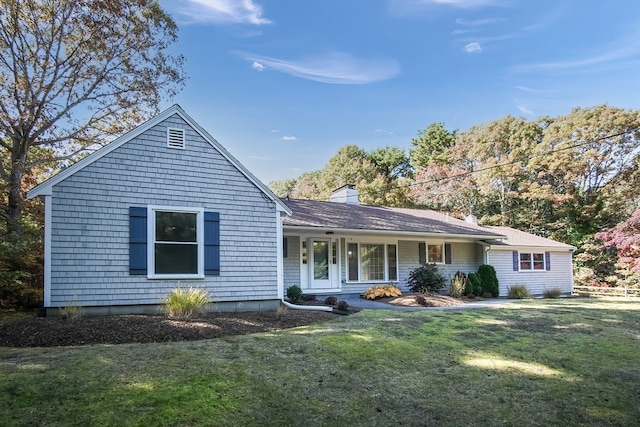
(33,331)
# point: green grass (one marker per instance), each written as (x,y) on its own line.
(569,362)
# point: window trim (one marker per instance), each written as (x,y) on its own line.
(531,261)
(151,233)
(359,261)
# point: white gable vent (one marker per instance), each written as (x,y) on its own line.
(175,138)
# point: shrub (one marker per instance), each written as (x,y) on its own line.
(181,304)
(552,293)
(489,280)
(420,299)
(343,306)
(294,294)
(307,297)
(474,283)
(331,301)
(426,278)
(382,292)
(519,292)
(458,285)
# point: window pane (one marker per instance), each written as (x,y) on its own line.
(392,257)
(538,261)
(352,258)
(304,252)
(321,260)
(525,261)
(176,259)
(435,253)
(176,226)
(371,262)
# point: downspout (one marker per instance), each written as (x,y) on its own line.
(305,307)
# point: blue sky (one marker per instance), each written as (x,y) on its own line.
(283,84)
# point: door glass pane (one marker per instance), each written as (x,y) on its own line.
(176,259)
(176,226)
(321,260)
(352,257)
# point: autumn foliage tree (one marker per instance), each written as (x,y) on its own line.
(73,74)
(625,237)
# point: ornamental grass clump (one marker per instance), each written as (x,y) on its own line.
(184,304)
(518,292)
(553,293)
(387,291)
(458,285)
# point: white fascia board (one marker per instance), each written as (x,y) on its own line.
(522,248)
(349,231)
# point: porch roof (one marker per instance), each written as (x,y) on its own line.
(332,215)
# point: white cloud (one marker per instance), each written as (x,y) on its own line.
(224,11)
(465,4)
(334,68)
(384,131)
(478,22)
(525,110)
(531,90)
(473,48)
(257,66)
(289,138)
(275,131)
(458,32)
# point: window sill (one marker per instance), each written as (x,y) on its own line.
(175,276)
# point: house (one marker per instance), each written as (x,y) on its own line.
(341,247)
(165,205)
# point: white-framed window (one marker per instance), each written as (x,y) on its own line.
(435,253)
(532,261)
(372,262)
(176,243)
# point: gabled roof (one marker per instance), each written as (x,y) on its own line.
(520,238)
(45,188)
(358,218)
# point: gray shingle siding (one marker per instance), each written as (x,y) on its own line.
(90,222)
(291,263)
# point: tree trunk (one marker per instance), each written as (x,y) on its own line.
(15,203)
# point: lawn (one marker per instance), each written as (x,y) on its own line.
(569,362)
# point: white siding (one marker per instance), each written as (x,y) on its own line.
(560,276)
(90,222)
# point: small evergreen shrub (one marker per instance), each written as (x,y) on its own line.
(426,279)
(343,306)
(489,280)
(294,294)
(518,292)
(474,283)
(375,292)
(552,293)
(458,285)
(331,301)
(184,304)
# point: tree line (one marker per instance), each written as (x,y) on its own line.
(566,178)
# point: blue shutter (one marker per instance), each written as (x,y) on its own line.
(547,261)
(137,240)
(422,253)
(516,261)
(211,243)
(447,253)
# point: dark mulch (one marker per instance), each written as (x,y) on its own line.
(33,331)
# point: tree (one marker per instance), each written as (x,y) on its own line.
(73,73)
(625,237)
(431,146)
